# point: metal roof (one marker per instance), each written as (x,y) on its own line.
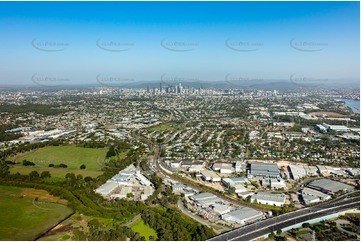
(329,185)
(265,196)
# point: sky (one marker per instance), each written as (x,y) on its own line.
(90,42)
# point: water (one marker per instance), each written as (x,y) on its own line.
(353,104)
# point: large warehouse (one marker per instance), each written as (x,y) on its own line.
(265,170)
(329,186)
(243,216)
(205,199)
(269,198)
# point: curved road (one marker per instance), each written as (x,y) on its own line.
(264,227)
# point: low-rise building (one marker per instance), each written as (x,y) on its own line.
(274,183)
(221,209)
(175,164)
(208,175)
(243,216)
(297,172)
(245,194)
(205,199)
(310,196)
(232,181)
(267,198)
(265,170)
(224,168)
(107,188)
(329,186)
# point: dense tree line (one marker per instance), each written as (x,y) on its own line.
(97,232)
(172,225)
(44,109)
(24,147)
(8,136)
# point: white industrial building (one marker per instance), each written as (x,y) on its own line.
(329,186)
(336,128)
(125,182)
(175,164)
(223,168)
(274,183)
(239,188)
(196,168)
(205,199)
(297,172)
(240,166)
(269,198)
(245,194)
(221,208)
(232,181)
(107,188)
(310,196)
(208,175)
(243,216)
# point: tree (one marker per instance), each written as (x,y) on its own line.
(34,174)
(28,163)
(4,169)
(305,225)
(82,167)
(271,235)
(129,195)
(279,232)
(45,174)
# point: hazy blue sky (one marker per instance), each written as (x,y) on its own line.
(195,40)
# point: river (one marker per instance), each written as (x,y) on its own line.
(351,103)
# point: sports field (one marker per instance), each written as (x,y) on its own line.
(72,156)
(143,229)
(27,212)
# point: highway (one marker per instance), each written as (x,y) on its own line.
(264,227)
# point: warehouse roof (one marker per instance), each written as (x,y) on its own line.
(245,213)
(279,197)
(328,185)
(264,169)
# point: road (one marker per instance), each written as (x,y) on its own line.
(133,220)
(264,227)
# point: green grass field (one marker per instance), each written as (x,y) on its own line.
(164,127)
(143,229)
(22,218)
(72,156)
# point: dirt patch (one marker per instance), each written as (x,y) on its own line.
(60,228)
(328,114)
(41,195)
(280,163)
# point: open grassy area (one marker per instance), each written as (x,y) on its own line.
(164,127)
(23,218)
(72,156)
(143,229)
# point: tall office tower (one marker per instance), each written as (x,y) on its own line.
(160,87)
(148,88)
